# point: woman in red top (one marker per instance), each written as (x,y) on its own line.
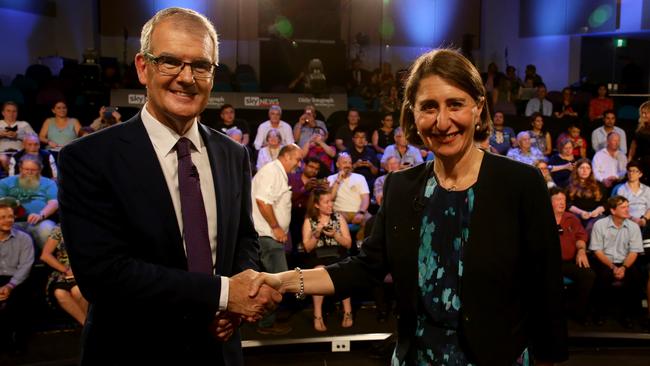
(600,104)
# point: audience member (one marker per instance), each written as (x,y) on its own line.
(350,192)
(599,105)
(544,169)
(586,195)
(599,135)
(383,136)
(566,108)
(392,165)
(12,132)
(318,148)
(236,135)
(579,142)
(538,137)
(502,138)
(302,183)
(506,92)
(228,121)
(616,241)
(575,265)
(539,104)
(525,152)
(59,130)
(36,194)
(491,80)
(61,286)
(609,163)
(17,254)
(638,195)
(271,149)
(85,130)
(108,116)
(32,147)
(531,72)
(364,157)
(389,101)
(640,147)
(271,196)
(325,236)
(561,164)
(275,113)
(407,154)
(304,129)
(344,133)
(357,77)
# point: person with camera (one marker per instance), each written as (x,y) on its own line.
(317,147)
(108,116)
(12,132)
(306,125)
(325,236)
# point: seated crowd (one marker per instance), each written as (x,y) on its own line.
(315,192)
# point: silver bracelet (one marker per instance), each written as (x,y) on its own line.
(300,295)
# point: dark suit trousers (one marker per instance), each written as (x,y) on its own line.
(629,289)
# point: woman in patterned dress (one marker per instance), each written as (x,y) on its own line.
(326,237)
(469,239)
(61,286)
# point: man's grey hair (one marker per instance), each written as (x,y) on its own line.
(275,107)
(182,16)
(31,136)
(521,135)
(234,131)
(34,159)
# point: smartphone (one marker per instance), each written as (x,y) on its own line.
(108,112)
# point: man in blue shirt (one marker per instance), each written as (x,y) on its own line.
(616,242)
(36,194)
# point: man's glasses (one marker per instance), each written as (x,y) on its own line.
(172,66)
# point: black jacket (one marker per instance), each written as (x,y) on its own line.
(512,283)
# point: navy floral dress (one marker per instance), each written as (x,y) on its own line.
(443,236)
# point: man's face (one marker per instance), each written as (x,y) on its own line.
(558,202)
(293,160)
(311,169)
(498,119)
(400,140)
(609,120)
(359,140)
(10,113)
(541,92)
(228,115)
(176,99)
(353,117)
(275,115)
(344,164)
(31,146)
(6,219)
(622,210)
(613,142)
(29,169)
(392,165)
(524,142)
(574,132)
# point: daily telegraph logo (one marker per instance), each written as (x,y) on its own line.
(251,101)
(317,102)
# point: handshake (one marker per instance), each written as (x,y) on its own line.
(251,295)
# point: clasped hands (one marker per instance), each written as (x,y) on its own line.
(251,296)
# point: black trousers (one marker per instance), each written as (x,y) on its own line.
(13,314)
(583,283)
(630,289)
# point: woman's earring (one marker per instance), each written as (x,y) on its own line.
(478,126)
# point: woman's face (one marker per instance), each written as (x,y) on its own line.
(567,148)
(584,171)
(388,122)
(538,123)
(273,140)
(60,110)
(325,205)
(446,117)
(644,115)
(574,132)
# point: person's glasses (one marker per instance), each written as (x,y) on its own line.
(172,66)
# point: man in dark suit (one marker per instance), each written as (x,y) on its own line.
(156,215)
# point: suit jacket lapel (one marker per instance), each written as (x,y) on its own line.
(218,155)
(139,157)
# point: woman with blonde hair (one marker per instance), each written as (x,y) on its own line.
(640,147)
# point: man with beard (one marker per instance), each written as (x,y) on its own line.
(36,194)
(32,147)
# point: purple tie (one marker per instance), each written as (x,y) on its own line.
(195,221)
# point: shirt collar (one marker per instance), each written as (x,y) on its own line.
(12,234)
(626,222)
(164,138)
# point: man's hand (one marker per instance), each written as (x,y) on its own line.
(581,259)
(619,273)
(34,219)
(264,279)
(311,183)
(250,307)
(279,235)
(224,325)
(358,218)
(5,291)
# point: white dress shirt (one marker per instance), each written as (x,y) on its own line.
(164,141)
(271,186)
(606,165)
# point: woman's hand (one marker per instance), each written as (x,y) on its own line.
(52,144)
(585,215)
(329,232)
